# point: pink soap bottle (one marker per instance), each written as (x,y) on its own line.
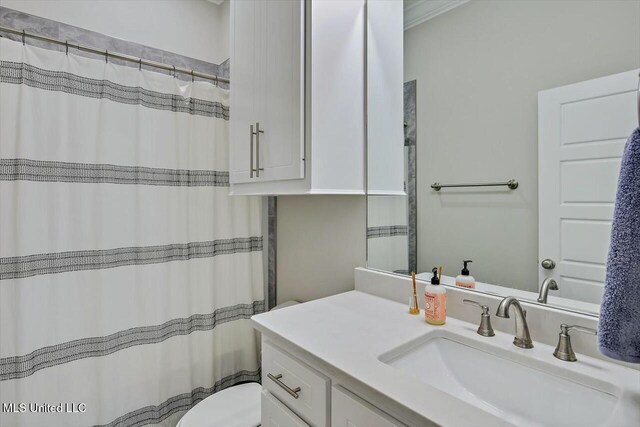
(435,301)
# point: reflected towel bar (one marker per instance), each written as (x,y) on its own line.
(512,184)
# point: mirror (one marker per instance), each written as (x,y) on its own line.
(528,105)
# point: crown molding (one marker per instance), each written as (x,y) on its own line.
(420,11)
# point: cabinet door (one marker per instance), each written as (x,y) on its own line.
(244,81)
(281,89)
(275,414)
(348,410)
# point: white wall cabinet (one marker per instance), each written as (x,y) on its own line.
(297,114)
(296,392)
(268,91)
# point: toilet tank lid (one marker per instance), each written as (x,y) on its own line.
(237,406)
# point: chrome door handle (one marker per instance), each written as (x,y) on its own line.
(257,134)
(292,391)
(548,264)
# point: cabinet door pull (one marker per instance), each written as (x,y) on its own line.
(257,133)
(292,391)
(251,151)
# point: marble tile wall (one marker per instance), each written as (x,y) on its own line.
(272,247)
(410,138)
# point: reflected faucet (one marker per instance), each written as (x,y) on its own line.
(547,285)
(522,338)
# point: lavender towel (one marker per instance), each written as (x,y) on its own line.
(619,326)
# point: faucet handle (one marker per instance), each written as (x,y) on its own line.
(566,328)
(485,329)
(484,308)
(564,351)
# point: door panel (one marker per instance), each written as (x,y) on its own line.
(348,410)
(575,173)
(282,90)
(582,129)
(275,414)
(244,69)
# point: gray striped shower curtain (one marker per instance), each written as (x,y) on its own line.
(127,272)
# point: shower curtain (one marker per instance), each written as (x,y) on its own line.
(127,272)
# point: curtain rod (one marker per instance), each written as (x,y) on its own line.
(107,54)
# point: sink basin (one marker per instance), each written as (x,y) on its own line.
(506,383)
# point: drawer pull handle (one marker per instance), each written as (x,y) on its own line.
(292,391)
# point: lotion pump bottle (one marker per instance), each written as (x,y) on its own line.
(464,279)
(435,301)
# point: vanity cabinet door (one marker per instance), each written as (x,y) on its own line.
(275,414)
(348,410)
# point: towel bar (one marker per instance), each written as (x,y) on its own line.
(512,184)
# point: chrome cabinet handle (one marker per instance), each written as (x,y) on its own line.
(548,264)
(485,329)
(251,133)
(257,134)
(292,391)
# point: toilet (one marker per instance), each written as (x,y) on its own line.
(237,406)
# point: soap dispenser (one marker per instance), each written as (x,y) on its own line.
(435,301)
(464,279)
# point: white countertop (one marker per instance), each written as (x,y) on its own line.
(349,331)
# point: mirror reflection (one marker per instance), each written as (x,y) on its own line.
(515,116)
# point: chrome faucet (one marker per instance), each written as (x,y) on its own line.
(547,285)
(522,338)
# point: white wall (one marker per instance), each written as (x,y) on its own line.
(194,28)
(479,68)
(321,239)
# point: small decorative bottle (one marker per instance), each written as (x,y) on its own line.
(435,301)
(464,279)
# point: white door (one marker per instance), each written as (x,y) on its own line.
(276,414)
(582,129)
(244,83)
(281,90)
(348,410)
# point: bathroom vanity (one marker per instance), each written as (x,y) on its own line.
(359,359)
(330,350)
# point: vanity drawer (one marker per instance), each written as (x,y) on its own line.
(298,386)
(275,414)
